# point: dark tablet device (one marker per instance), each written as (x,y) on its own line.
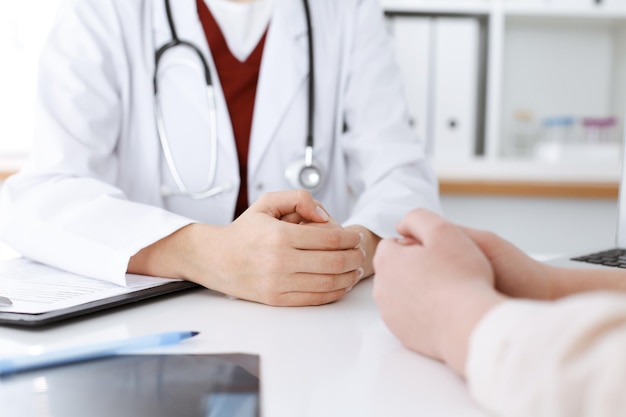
(26,319)
(224,385)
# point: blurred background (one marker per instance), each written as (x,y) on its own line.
(521,102)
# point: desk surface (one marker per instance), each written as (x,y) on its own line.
(333,360)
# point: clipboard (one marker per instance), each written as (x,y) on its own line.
(200,385)
(42,294)
(51,317)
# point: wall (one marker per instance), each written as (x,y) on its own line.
(541,226)
(24,25)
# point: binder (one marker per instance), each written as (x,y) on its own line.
(439,58)
(413,47)
(456,88)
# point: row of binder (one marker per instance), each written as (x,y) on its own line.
(440,58)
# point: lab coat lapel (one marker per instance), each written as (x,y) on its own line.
(284,69)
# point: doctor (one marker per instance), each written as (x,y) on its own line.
(260,148)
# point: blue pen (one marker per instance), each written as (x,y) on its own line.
(83,353)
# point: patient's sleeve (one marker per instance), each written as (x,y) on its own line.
(563,358)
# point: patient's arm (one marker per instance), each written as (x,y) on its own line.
(518,275)
(567,281)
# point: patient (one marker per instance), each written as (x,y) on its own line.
(531,339)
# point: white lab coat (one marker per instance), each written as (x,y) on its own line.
(90,197)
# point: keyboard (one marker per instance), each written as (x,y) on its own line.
(612,257)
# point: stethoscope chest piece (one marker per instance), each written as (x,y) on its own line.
(301,174)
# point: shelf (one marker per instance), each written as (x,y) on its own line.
(564,8)
(529,178)
(509,170)
(544,12)
(465,7)
(608,190)
(521,8)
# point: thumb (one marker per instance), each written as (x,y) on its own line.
(422,225)
(295,205)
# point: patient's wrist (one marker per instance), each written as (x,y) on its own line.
(467,306)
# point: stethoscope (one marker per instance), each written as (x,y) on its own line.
(302,173)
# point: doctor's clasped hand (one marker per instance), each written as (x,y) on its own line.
(283,250)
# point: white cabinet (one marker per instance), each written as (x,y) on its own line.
(516,89)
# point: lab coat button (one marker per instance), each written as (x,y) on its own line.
(260,186)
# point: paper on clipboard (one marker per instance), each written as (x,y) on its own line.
(35,288)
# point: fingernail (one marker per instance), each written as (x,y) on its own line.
(361,236)
(349,289)
(323,213)
(360,273)
(364,253)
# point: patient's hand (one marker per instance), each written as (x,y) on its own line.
(517,274)
(433,286)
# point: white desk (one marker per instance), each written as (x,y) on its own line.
(334,360)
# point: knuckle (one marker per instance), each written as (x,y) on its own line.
(265,198)
(489,236)
(333,239)
(273,299)
(303,195)
(415,215)
(326,283)
(441,229)
(362,255)
(337,263)
(324,298)
(275,240)
(440,224)
(269,294)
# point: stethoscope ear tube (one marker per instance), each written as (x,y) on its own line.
(306,173)
(309,137)
(182,189)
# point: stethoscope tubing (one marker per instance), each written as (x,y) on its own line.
(294,173)
(309,135)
